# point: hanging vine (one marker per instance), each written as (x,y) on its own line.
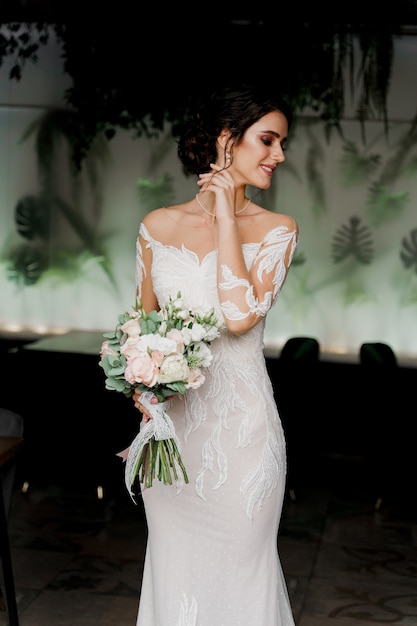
(120,81)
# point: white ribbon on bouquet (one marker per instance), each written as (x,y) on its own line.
(160,426)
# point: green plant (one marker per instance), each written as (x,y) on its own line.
(353,240)
(40,252)
(121,80)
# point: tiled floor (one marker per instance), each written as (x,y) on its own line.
(77,560)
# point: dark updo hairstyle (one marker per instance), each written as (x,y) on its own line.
(236,108)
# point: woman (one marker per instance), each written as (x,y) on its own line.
(212,555)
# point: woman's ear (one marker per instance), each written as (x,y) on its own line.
(225,148)
(224,139)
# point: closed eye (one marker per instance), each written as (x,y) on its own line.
(267,141)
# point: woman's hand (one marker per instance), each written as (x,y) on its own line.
(221,183)
(146,415)
(136,399)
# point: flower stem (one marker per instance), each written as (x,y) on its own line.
(159,459)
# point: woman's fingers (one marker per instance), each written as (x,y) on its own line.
(138,405)
(217,175)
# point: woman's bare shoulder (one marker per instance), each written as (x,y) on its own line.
(157,215)
(153,217)
(154,221)
(281,219)
(266,220)
(166,224)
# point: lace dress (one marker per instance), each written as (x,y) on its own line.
(211,556)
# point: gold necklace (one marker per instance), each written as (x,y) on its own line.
(213,214)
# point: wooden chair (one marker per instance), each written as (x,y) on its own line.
(9,448)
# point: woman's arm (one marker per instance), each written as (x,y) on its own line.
(144,287)
(247,295)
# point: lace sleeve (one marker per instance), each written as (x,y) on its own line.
(267,275)
(140,265)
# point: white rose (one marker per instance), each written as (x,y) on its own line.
(198,332)
(150,343)
(203,353)
(173,368)
(179,309)
(211,333)
(178,303)
(186,336)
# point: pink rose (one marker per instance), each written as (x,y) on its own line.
(195,379)
(105,349)
(157,357)
(177,336)
(131,347)
(131,327)
(141,369)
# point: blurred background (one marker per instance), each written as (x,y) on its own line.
(89,112)
(91,100)
(90,108)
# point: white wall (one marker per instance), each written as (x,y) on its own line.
(341,304)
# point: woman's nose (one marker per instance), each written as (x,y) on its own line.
(278,153)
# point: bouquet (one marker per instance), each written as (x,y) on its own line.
(160,354)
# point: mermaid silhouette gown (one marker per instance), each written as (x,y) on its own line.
(211,556)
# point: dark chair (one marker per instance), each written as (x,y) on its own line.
(11,438)
(300,350)
(379,400)
(296,389)
(9,448)
(378,354)
(11,425)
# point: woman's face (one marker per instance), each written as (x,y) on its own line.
(260,151)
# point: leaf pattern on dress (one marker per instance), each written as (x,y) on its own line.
(270,256)
(195,412)
(233,446)
(211,449)
(170,266)
(261,481)
(188,612)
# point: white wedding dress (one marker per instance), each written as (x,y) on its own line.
(211,557)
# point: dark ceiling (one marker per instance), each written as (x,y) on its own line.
(319,12)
